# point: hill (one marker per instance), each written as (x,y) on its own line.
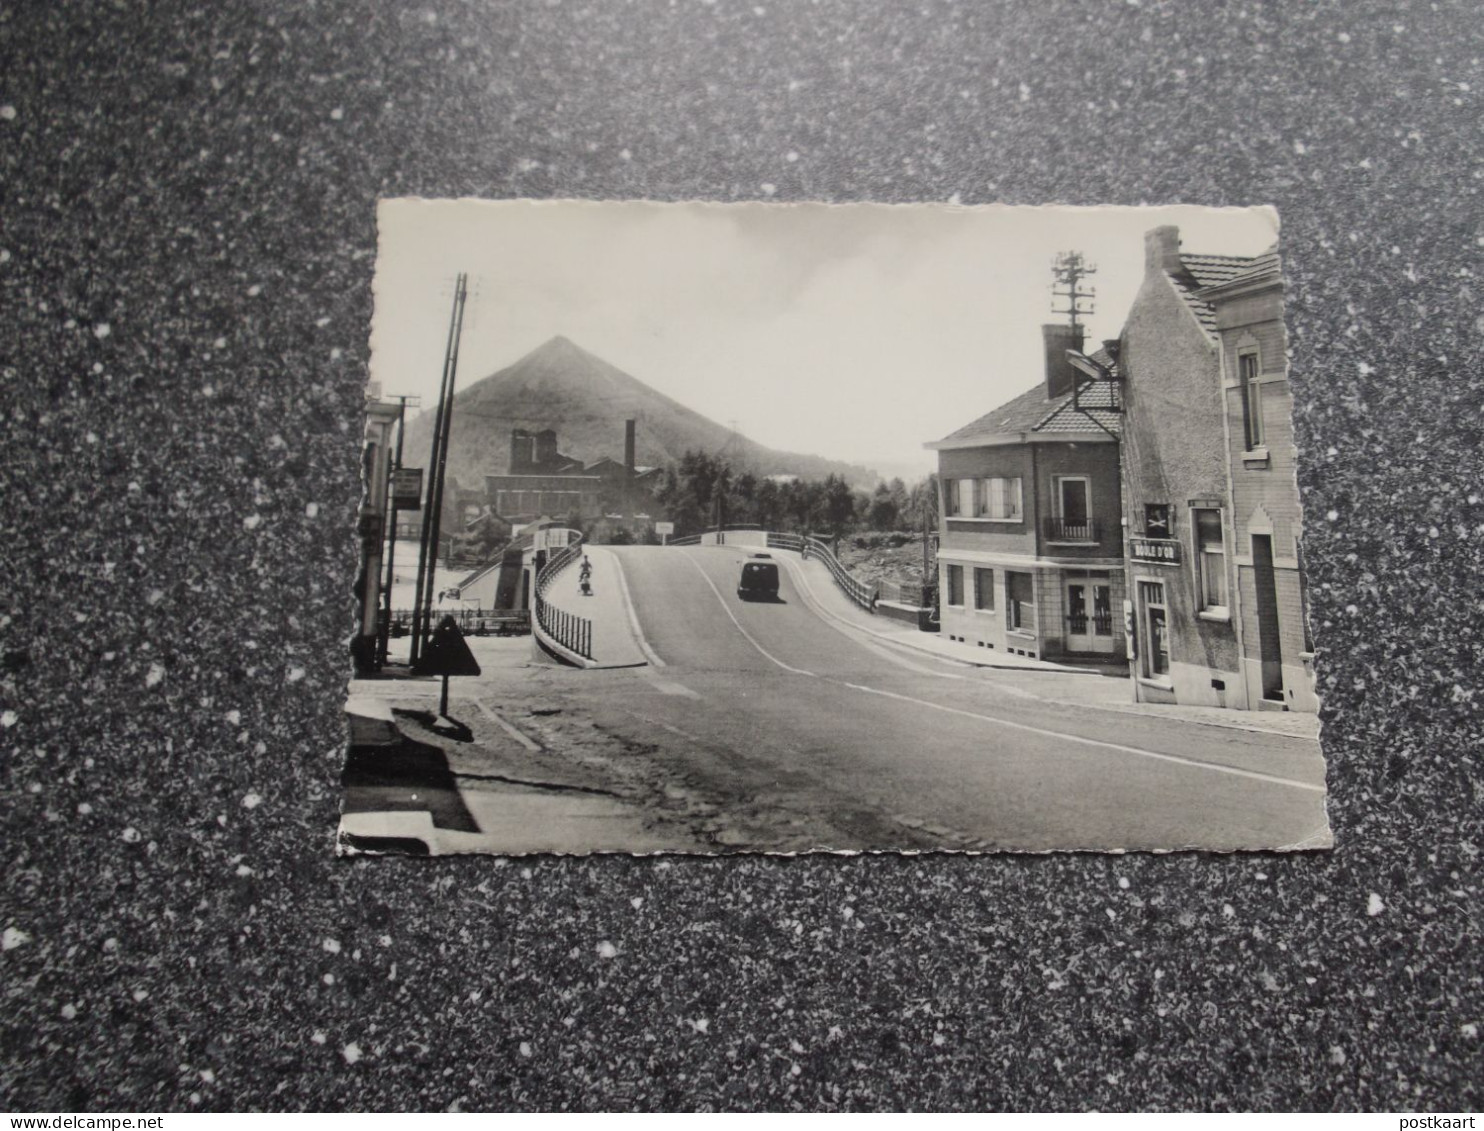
(586,400)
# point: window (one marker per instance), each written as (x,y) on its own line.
(1210,560)
(984,589)
(999,499)
(958,497)
(1020,600)
(1154,649)
(995,499)
(1073,519)
(955,575)
(1157,520)
(1251,400)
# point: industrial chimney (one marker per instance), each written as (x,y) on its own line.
(628,448)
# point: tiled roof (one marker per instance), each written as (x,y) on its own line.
(1032,411)
(1265,264)
(1207,271)
(1095,410)
(1019,415)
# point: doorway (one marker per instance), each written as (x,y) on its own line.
(1089,615)
(1270,649)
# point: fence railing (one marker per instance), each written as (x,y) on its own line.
(471,622)
(781,541)
(857,590)
(684,540)
(1071,529)
(571,631)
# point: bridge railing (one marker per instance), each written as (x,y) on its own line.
(862,593)
(853,587)
(571,631)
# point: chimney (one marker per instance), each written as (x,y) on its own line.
(1060,376)
(628,448)
(1162,250)
(546,448)
(520,451)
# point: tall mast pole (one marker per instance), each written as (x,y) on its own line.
(425,563)
(461,294)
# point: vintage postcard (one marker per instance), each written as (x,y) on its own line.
(711,528)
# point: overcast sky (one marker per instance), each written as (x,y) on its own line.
(856,332)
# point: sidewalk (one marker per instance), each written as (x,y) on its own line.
(1051,683)
(827,598)
(613,643)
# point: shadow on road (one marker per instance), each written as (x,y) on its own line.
(404,776)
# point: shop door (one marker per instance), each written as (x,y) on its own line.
(1089,617)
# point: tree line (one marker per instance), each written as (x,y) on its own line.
(703,491)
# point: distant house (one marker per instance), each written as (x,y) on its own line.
(1030,557)
(1209,493)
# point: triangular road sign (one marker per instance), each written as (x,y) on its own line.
(446,653)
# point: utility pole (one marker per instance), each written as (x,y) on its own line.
(432,512)
(1069,269)
(382,637)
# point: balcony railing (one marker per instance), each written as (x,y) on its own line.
(1072,529)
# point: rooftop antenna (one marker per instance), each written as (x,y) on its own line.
(1069,270)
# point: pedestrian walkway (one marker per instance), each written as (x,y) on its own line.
(826,596)
(613,641)
(1053,683)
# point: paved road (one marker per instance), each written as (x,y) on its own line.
(867,747)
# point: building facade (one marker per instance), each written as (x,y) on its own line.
(1030,553)
(1270,606)
(1210,505)
(377,455)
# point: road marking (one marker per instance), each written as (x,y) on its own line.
(859,635)
(628,604)
(519,736)
(735,621)
(1193,762)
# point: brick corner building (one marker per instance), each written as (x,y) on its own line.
(1210,501)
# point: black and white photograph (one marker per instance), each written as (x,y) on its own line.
(768,528)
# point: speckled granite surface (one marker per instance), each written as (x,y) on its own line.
(187,202)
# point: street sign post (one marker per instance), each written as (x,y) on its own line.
(446,654)
(407,488)
(664,530)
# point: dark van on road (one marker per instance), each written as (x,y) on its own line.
(759,580)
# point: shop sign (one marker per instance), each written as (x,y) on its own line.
(1159,551)
(407,488)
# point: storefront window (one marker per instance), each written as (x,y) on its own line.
(1020,597)
(984,589)
(955,575)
